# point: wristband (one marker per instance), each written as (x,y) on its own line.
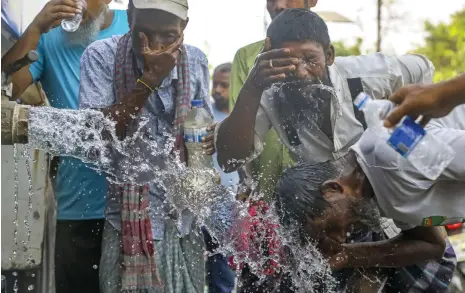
(146,85)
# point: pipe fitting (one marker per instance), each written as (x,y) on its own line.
(14,123)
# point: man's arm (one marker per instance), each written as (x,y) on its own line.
(53,12)
(431,101)
(411,247)
(96,87)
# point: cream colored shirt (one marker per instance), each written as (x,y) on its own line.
(381,76)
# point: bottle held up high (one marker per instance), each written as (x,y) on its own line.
(72,24)
(425,152)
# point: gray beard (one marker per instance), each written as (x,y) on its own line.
(87,32)
(367,213)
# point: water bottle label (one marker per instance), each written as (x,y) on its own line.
(195,135)
(406,136)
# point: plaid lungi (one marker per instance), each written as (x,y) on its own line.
(180,261)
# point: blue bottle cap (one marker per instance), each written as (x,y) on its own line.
(197,103)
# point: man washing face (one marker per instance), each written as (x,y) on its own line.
(315,124)
(148,73)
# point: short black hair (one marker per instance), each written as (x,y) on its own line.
(298,192)
(297,24)
(223,68)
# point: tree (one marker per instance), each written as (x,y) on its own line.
(343,50)
(445,46)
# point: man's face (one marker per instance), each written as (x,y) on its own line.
(275,7)
(220,90)
(347,209)
(313,61)
(161,28)
(93,9)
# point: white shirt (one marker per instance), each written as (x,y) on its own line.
(381,76)
(401,192)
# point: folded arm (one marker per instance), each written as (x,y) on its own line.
(411,247)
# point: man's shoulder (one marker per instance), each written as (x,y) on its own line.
(361,65)
(195,54)
(103,48)
(253,48)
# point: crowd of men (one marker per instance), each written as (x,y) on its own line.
(305,146)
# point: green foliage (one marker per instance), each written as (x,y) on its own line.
(343,50)
(445,46)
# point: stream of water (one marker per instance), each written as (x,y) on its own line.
(90,137)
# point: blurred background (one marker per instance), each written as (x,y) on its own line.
(431,27)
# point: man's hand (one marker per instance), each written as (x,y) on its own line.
(415,100)
(335,252)
(208,142)
(271,66)
(158,64)
(53,12)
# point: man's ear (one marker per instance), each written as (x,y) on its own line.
(330,55)
(332,186)
(107,2)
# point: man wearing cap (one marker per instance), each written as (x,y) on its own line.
(147,74)
(79,190)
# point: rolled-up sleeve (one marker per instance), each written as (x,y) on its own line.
(97,66)
(415,68)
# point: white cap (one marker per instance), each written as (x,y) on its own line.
(176,7)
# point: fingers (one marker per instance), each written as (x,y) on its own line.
(144,43)
(211,128)
(274,54)
(396,115)
(399,96)
(208,144)
(279,62)
(175,46)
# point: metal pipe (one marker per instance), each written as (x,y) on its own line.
(14,123)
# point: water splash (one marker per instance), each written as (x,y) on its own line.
(91,137)
(16,203)
(27,155)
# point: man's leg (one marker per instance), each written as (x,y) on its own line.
(77,255)
(220,277)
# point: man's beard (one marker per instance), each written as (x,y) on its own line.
(300,101)
(220,102)
(87,32)
(367,214)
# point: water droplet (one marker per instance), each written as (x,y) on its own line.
(30,287)
(95,267)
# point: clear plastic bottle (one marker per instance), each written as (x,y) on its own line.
(427,154)
(72,24)
(195,128)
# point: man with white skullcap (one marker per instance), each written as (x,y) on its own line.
(148,73)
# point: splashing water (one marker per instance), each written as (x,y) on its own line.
(91,137)
(16,207)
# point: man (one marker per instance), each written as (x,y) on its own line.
(332,213)
(311,108)
(220,109)
(274,156)
(79,190)
(220,277)
(145,81)
(432,101)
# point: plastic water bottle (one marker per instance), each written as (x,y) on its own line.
(195,128)
(426,153)
(72,24)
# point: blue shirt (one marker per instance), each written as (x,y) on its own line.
(98,91)
(227,179)
(80,191)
